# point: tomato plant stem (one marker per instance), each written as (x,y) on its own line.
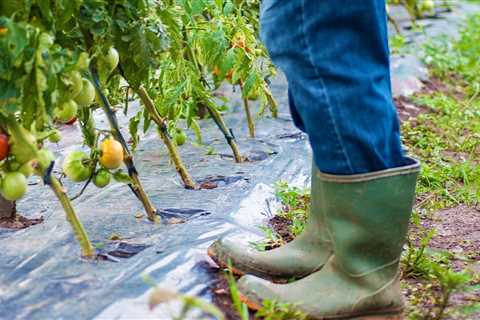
(136,185)
(272,103)
(172,148)
(246,105)
(394,23)
(217,117)
(85,245)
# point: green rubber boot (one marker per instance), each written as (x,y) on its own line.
(306,254)
(367,216)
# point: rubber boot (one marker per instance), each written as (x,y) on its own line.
(367,216)
(298,258)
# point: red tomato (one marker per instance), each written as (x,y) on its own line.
(4,147)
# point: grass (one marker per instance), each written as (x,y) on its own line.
(446,139)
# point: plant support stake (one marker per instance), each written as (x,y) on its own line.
(172,149)
(135,184)
(217,118)
(246,105)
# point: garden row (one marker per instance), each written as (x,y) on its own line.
(62,60)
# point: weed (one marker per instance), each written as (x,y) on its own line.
(239,306)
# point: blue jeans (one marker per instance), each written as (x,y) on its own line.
(335,56)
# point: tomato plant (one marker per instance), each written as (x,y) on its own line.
(34,86)
(62,60)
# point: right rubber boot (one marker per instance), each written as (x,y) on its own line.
(304,255)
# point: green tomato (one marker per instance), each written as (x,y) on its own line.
(83,61)
(55,137)
(87,94)
(76,83)
(428,5)
(14,186)
(27,169)
(45,158)
(66,111)
(112,58)
(102,178)
(180,137)
(75,168)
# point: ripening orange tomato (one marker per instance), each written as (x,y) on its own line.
(111,156)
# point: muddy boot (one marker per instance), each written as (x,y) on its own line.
(304,255)
(367,216)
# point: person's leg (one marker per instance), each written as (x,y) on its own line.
(338,73)
(336,59)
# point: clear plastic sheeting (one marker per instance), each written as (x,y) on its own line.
(42,276)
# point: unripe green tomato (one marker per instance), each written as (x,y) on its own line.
(86,95)
(102,178)
(14,186)
(27,169)
(112,58)
(74,167)
(76,83)
(66,111)
(180,137)
(83,61)
(428,5)
(55,137)
(45,158)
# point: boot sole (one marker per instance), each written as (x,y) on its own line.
(269,277)
(223,265)
(391,314)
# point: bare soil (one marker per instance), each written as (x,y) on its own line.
(19,222)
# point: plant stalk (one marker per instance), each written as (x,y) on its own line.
(86,247)
(135,185)
(246,105)
(172,148)
(217,117)
(272,103)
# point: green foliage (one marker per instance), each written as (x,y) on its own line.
(272,310)
(456,62)
(295,205)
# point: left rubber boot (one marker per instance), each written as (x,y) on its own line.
(306,254)
(367,216)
